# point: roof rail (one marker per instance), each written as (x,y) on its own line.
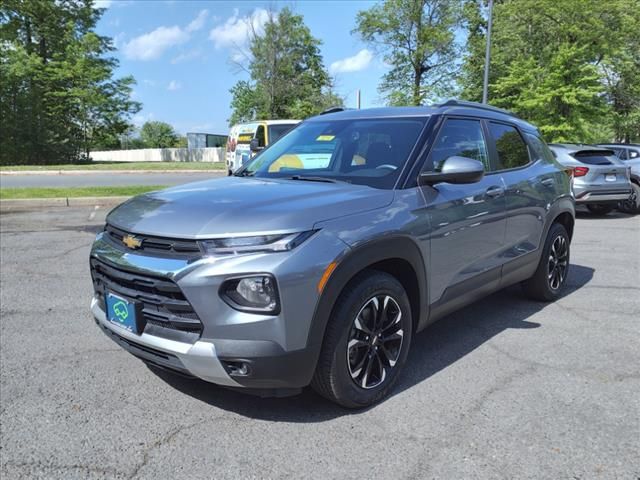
(333,110)
(482,106)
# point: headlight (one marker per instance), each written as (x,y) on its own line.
(260,243)
(254,293)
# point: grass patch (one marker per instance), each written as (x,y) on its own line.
(120,166)
(53,192)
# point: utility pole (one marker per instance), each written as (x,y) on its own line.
(358,99)
(487,56)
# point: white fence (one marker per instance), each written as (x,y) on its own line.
(161,155)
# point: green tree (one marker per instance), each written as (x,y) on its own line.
(57,96)
(158,135)
(417,39)
(568,66)
(181,142)
(287,76)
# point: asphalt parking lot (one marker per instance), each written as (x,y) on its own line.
(506,388)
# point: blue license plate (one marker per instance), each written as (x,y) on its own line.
(122,312)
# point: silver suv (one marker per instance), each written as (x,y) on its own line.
(319,261)
(599,179)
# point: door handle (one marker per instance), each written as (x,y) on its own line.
(548,182)
(494,192)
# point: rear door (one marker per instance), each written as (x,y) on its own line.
(530,185)
(467,221)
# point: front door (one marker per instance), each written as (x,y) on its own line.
(467,221)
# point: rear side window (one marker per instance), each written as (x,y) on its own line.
(538,149)
(458,137)
(512,151)
(634,154)
(593,157)
(621,153)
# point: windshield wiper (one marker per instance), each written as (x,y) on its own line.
(305,178)
(244,173)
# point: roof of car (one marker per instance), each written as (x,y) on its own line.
(451,107)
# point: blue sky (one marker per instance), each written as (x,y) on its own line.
(180,53)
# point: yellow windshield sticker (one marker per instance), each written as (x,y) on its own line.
(245,138)
(325,138)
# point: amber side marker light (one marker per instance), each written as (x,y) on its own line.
(325,276)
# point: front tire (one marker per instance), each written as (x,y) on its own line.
(547,282)
(366,341)
(600,210)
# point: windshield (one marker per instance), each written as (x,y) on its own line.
(366,152)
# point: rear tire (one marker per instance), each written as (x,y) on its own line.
(632,205)
(366,341)
(547,282)
(598,209)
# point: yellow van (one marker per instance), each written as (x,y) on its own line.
(265,132)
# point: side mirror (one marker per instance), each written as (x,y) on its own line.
(254,145)
(455,170)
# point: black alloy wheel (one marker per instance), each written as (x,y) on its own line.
(375,341)
(558,262)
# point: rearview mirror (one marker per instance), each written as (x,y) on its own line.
(254,145)
(455,170)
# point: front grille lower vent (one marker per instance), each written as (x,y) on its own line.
(163,303)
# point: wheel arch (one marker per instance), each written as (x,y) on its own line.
(562,211)
(398,256)
(567,221)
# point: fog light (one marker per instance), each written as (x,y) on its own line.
(257,293)
(237,368)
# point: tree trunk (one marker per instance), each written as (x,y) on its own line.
(417,80)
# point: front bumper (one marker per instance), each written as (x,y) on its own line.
(277,350)
(198,359)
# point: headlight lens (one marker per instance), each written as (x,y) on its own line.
(260,243)
(255,293)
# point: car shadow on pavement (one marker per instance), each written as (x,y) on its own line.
(432,351)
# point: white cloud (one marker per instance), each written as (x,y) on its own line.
(150,83)
(153,44)
(174,85)
(235,31)
(186,56)
(359,61)
(198,22)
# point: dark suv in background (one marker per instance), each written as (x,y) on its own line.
(318,262)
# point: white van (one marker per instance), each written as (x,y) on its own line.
(266,132)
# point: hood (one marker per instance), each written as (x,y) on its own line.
(234,206)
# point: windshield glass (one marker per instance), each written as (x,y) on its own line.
(366,152)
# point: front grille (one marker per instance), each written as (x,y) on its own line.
(163,303)
(173,247)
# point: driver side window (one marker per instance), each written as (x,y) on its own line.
(458,137)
